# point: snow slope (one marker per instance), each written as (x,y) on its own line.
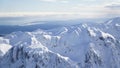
(4,46)
(86,45)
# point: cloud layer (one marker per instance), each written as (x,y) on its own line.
(62,1)
(81,8)
(114,6)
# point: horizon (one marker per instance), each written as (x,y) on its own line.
(23,20)
(58,9)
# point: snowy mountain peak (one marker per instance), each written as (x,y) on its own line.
(4,41)
(34,56)
(86,45)
(114,21)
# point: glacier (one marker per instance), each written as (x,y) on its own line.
(85,45)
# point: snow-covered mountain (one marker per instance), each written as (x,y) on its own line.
(85,45)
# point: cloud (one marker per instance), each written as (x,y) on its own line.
(62,1)
(54,15)
(49,0)
(113,6)
(98,10)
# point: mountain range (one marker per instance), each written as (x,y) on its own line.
(84,45)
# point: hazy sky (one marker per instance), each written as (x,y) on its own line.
(61,8)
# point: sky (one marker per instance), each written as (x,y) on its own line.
(61,8)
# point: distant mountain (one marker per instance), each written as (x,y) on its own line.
(84,45)
(38,24)
(7,29)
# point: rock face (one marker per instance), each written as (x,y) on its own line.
(85,45)
(30,57)
(34,55)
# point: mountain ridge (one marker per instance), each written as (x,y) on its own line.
(85,45)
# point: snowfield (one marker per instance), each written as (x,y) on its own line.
(86,45)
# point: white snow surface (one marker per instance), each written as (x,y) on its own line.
(4,46)
(77,46)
